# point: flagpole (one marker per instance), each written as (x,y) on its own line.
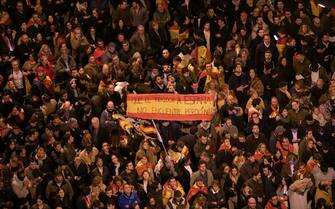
(159,137)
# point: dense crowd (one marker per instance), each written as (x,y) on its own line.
(67,66)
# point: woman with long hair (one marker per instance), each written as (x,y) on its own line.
(255,83)
(233,184)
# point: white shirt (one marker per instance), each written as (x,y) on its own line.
(208,39)
(189,169)
(294,135)
(18,79)
(315,76)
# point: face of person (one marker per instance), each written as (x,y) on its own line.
(40,153)
(127,189)
(100,162)
(252,203)
(146,175)
(267,40)
(295,105)
(268,56)
(255,129)
(95,123)
(274,102)
(243,16)
(166,68)
(310,144)
(208,67)
(110,89)
(221,23)
(234,171)
(238,70)
(261,33)
(252,74)
(140,29)
(202,167)
(211,12)
(159,80)
(110,106)
(274,200)
(105,147)
(77,33)
(265,171)
(302,169)
(114,159)
(59,178)
(166,53)
(173,182)
(125,46)
(286,142)
(100,44)
(130,166)
(207,26)
(15,65)
(325,38)
(61,193)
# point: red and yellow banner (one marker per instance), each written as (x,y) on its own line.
(180,107)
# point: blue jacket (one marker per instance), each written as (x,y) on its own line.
(126,201)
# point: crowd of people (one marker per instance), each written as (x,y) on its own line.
(67,66)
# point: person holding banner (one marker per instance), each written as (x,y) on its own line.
(110,124)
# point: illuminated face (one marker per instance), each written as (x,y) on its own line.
(267,40)
(110,106)
(238,70)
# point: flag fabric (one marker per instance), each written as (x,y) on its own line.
(159,137)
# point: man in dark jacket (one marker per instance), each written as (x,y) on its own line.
(238,82)
(58,183)
(254,139)
(261,48)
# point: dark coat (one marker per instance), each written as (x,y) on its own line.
(105,174)
(158,40)
(216,200)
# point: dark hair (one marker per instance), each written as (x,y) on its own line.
(324,167)
(256,101)
(321,203)
(202,162)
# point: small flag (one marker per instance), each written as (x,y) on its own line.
(159,137)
